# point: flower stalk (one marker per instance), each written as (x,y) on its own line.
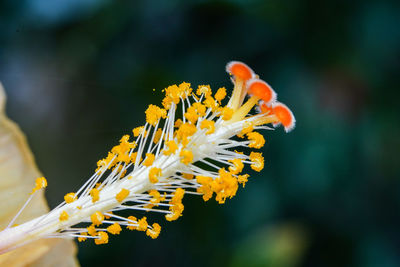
(165,161)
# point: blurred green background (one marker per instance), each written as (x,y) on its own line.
(80,73)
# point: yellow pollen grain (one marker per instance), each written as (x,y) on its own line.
(157,136)
(191,115)
(211,103)
(40,183)
(149,159)
(172,147)
(242,179)
(187,176)
(154,114)
(132,220)
(95,194)
(92,230)
(114,229)
(108,216)
(97,218)
(122,195)
(154,174)
(63,216)
(103,238)
(138,130)
(185,130)
(208,124)
(177,207)
(70,197)
(155,231)
(187,156)
(237,166)
(82,237)
(220,94)
(156,197)
(203,89)
(257,140)
(142,224)
(200,108)
(257,161)
(178,123)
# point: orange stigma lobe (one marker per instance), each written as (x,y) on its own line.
(285,116)
(262,90)
(240,70)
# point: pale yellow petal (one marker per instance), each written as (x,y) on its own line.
(18,172)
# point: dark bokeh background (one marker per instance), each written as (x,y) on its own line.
(80,73)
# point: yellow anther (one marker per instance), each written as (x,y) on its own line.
(101,164)
(154,114)
(114,229)
(258,161)
(154,174)
(237,166)
(148,161)
(174,93)
(178,123)
(206,191)
(82,237)
(142,224)
(257,140)
(242,179)
(207,124)
(185,130)
(191,115)
(172,147)
(177,206)
(200,108)
(132,220)
(95,194)
(185,89)
(64,216)
(211,103)
(157,136)
(92,230)
(187,176)
(97,218)
(124,193)
(203,180)
(103,238)
(220,94)
(187,156)
(226,113)
(203,89)
(108,216)
(124,145)
(224,186)
(139,130)
(123,158)
(108,161)
(40,183)
(178,196)
(70,197)
(176,212)
(155,231)
(157,198)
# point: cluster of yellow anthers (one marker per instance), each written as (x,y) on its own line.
(194,154)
